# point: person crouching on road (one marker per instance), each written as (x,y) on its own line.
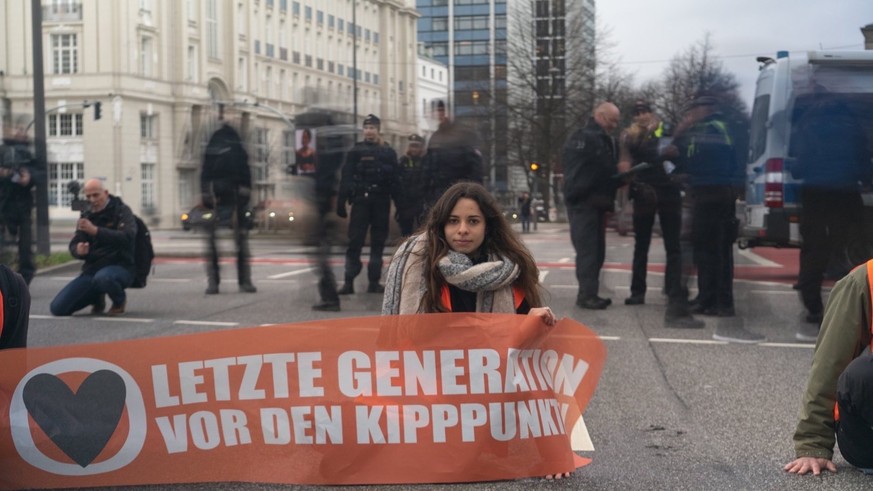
(105,238)
(838,400)
(370,180)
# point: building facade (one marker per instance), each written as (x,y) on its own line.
(469,36)
(433,86)
(161,70)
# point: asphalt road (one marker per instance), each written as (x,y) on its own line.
(673,410)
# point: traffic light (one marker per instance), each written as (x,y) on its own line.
(534,167)
(97,109)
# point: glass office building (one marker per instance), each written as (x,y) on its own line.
(469,36)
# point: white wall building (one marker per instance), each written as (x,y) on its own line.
(159,68)
(433,86)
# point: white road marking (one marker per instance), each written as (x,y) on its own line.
(290,273)
(788,345)
(760,261)
(207,323)
(580,440)
(564,260)
(170,280)
(609,338)
(686,341)
(543,275)
(123,319)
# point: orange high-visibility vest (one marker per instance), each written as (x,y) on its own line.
(869,285)
(446,297)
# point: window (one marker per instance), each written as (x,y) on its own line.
(440,49)
(192,63)
(261,171)
(145,5)
(192,10)
(340,25)
(60,174)
(67,124)
(212,28)
(307,60)
(471,22)
(319,63)
(295,8)
(308,13)
(146,54)
(319,17)
(471,48)
(241,74)
(295,57)
(367,35)
(65,53)
(268,82)
(147,180)
(331,21)
(340,69)
(148,126)
(375,38)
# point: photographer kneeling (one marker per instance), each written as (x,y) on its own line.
(105,237)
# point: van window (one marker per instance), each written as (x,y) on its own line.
(760,111)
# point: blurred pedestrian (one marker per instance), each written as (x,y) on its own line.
(590,165)
(370,180)
(706,154)
(410,207)
(105,239)
(226,188)
(838,400)
(16,195)
(524,203)
(452,156)
(833,160)
(655,193)
(333,143)
(305,155)
(15,307)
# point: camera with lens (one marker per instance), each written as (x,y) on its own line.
(78,204)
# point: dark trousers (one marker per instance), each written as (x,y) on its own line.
(409,216)
(668,207)
(855,401)
(235,215)
(525,222)
(367,213)
(827,220)
(21,228)
(323,235)
(713,234)
(88,289)
(588,234)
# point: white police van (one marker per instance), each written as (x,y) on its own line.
(784,90)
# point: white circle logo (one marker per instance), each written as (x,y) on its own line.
(80,423)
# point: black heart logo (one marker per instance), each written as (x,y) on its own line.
(80,424)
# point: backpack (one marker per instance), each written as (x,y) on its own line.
(143,253)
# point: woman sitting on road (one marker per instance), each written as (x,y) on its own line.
(466,259)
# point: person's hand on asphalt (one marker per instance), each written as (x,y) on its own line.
(802,465)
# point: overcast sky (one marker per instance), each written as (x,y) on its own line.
(647,34)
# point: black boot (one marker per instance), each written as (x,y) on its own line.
(347,289)
(212,287)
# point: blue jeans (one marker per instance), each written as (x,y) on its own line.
(88,289)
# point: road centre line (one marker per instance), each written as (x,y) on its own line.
(290,273)
(123,319)
(761,261)
(788,345)
(207,323)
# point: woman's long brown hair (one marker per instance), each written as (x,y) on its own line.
(499,239)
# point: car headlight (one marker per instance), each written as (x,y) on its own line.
(184,217)
(272,214)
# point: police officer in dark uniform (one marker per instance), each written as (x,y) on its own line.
(16,197)
(451,156)
(706,153)
(411,206)
(370,179)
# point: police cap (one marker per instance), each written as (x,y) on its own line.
(372,119)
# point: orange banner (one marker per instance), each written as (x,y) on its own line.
(373,400)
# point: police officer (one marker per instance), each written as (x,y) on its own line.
(369,182)
(707,155)
(16,198)
(452,156)
(411,207)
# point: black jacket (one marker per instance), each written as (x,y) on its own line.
(16,200)
(370,171)
(590,164)
(115,240)
(226,176)
(451,157)
(412,187)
